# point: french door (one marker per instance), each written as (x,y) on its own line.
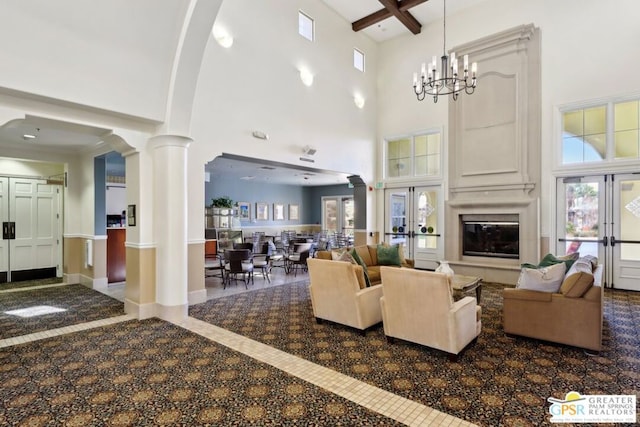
(31,232)
(599,215)
(413,218)
(338,214)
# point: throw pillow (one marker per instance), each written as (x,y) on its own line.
(545,279)
(388,255)
(337,253)
(346,256)
(359,261)
(403,260)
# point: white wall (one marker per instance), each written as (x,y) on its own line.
(255,85)
(116,55)
(587,53)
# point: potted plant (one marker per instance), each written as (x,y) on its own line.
(220,204)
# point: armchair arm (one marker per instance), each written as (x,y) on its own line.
(465,327)
(368,302)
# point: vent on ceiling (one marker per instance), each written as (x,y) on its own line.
(267,168)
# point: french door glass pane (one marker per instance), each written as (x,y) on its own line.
(331,215)
(348,213)
(582,217)
(630,219)
(426,219)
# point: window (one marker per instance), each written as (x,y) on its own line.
(358,60)
(414,156)
(625,128)
(305,26)
(589,135)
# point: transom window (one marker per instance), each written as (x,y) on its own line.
(601,133)
(358,60)
(305,26)
(413,156)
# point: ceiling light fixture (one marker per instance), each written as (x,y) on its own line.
(306,77)
(28,136)
(223,38)
(260,135)
(445,81)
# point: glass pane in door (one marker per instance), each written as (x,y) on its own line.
(348,215)
(581,217)
(397,218)
(426,220)
(330,215)
(630,220)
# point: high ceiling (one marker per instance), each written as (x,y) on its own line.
(425,13)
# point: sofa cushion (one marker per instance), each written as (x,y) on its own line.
(388,255)
(578,280)
(363,253)
(545,279)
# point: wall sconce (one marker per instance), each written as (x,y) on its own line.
(359,101)
(306,77)
(223,38)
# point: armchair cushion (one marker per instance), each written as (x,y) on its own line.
(578,280)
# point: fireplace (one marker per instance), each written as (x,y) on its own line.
(494,236)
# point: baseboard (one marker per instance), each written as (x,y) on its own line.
(173,313)
(100,284)
(140,311)
(197,297)
(71,279)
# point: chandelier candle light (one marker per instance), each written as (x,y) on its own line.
(446,80)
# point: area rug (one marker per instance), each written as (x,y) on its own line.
(24,312)
(153,373)
(500,380)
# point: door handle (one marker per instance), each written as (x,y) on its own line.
(12,230)
(5,231)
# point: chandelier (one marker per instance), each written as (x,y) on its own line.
(446,80)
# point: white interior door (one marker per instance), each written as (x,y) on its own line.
(625,236)
(34,247)
(413,218)
(600,216)
(4,220)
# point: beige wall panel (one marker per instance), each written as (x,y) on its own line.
(196,266)
(73,255)
(141,275)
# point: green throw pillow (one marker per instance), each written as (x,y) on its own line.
(388,255)
(359,261)
(550,259)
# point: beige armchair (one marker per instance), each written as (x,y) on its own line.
(338,294)
(418,306)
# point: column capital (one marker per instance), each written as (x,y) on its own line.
(159,141)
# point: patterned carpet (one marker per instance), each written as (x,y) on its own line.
(498,381)
(151,373)
(80,304)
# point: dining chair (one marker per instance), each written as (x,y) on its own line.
(238,261)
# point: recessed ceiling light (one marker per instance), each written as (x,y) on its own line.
(28,136)
(247,178)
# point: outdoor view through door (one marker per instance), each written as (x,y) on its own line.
(600,216)
(338,214)
(413,219)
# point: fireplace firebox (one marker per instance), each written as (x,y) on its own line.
(495,236)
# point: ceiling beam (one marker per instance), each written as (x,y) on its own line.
(392,8)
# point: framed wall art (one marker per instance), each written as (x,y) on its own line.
(278,212)
(244,211)
(294,212)
(262,211)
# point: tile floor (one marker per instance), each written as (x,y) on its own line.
(381,401)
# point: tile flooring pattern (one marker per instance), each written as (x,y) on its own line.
(383,402)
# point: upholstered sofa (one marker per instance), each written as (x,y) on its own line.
(369,255)
(418,306)
(338,294)
(572,315)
